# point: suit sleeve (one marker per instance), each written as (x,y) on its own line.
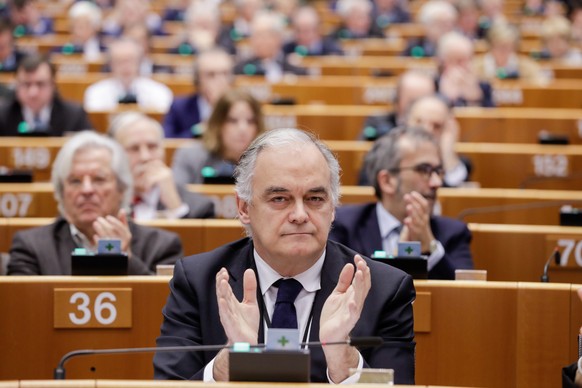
(169,123)
(200,205)
(457,256)
(181,327)
(23,259)
(152,249)
(83,121)
(396,327)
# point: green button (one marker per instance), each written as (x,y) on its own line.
(417,52)
(370,132)
(301,50)
(241,347)
(80,251)
(250,69)
(208,172)
(23,127)
(380,255)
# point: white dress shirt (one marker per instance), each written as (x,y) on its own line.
(151,95)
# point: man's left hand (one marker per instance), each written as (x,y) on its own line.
(114,227)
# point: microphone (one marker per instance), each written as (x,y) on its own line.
(556,256)
(59,372)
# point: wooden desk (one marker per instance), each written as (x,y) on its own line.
(517,125)
(519,252)
(523,331)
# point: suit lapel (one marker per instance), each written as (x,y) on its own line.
(64,245)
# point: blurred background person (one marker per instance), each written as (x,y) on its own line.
(235,122)
(140,34)
(10,56)
(387,12)
(156,194)
(268,59)
(434,114)
(457,80)
(469,22)
(502,61)
(27,18)
(127,13)
(125,84)
(93,189)
(437,17)
(203,30)
(307,37)
(213,76)
(557,42)
(410,86)
(357,23)
(492,11)
(36,107)
(245,11)
(85,26)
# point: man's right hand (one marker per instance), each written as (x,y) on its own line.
(240,320)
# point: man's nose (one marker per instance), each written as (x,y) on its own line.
(298,214)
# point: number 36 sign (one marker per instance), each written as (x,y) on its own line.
(92,308)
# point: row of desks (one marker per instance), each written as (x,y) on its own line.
(499,206)
(468,333)
(514,165)
(347,90)
(508,252)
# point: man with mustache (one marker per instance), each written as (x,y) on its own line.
(93,187)
(406,169)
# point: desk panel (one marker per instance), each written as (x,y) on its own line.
(482,333)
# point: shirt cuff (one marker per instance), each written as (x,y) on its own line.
(180,212)
(436,256)
(457,175)
(353,379)
(209,372)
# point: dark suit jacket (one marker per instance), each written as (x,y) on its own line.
(65,117)
(46,250)
(183,114)
(328,46)
(486,91)
(357,227)
(258,68)
(191,312)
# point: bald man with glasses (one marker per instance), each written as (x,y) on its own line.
(406,169)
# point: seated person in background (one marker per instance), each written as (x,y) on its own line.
(411,85)
(156,194)
(387,12)
(36,107)
(140,34)
(406,169)
(457,80)
(27,19)
(268,59)
(84,24)
(437,18)
(557,42)
(212,78)
(357,21)
(287,186)
(307,38)
(434,114)
(503,61)
(492,12)
(575,16)
(126,85)
(245,11)
(9,54)
(127,13)
(202,30)
(234,123)
(175,10)
(469,21)
(93,187)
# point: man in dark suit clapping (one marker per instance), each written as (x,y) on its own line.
(406,169)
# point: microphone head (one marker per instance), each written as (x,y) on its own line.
(366,342)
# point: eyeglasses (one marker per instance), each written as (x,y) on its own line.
(424,169)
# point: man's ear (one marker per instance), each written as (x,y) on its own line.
(243,211)
(386,182)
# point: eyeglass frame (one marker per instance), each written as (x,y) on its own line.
(422,169)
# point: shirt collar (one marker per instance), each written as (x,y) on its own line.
(204,108)
(44,115)
(80,239)
(309,279)
(386,221)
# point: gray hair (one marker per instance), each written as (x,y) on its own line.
(269,20)
(386,153)
(345,7)
(126,119)
(282,137)
(86,9)
(451,40)
(433,9)
(90,140)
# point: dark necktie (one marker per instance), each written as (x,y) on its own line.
(285,315)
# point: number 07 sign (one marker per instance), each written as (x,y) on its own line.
(91,308)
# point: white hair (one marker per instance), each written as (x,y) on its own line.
(272,20)
(89,10)
(127,119)
(451,40)
(433,9)
(345,7)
